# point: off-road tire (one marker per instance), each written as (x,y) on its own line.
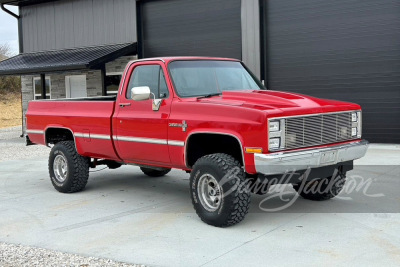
(77,168)
(154,173)
(321,189)
(235,198)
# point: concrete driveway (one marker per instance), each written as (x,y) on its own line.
(126,216)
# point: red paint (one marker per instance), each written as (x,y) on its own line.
(242,114)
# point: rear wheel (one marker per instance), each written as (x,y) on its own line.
(218,190)
(155,172)
(321,189)
(69,171)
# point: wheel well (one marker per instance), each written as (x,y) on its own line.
(55,135)
(199,145)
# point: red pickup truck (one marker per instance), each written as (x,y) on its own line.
(210,117)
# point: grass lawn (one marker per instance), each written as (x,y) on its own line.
(10,110)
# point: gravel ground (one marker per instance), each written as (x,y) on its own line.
(12,146)
(17,255)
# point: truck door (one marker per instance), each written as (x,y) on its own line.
(140,133)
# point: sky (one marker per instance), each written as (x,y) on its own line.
(9,29)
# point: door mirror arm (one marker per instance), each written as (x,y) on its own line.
(143,93)
(156,103)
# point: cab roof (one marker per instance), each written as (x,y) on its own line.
(169,59)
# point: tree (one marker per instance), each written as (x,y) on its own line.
(4,51)
(8,84)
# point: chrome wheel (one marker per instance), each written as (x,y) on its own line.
(60,168)
(210,193)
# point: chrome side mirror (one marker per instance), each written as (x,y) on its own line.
(140,93)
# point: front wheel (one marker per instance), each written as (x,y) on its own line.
(321,189)
(69,171)
(218,190)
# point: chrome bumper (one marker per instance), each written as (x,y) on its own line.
(281,162)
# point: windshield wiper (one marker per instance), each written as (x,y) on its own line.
(209,95)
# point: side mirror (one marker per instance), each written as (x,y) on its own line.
(140,93)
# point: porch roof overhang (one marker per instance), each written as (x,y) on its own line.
(65,60)
(24,2)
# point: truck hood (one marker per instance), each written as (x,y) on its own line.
(278,102)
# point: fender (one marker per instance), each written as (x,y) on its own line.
(213,131)
(59,127)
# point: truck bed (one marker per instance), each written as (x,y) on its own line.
(88,120)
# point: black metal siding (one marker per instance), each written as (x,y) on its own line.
(190,28)
(345,50)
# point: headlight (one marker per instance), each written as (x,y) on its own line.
(274,126)
(274,143)
(354,131)
(354,117)
(276,134)
(356,124)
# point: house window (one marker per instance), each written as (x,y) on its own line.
(112,83)
(37,87)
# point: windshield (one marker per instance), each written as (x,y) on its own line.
(206,77)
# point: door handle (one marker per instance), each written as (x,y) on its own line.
(124,104)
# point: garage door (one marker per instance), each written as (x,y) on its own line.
(346,50)
(190,28)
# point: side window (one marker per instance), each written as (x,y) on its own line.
(151,76)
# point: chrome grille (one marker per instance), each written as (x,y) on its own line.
(317,130)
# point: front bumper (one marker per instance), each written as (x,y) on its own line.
(281,162)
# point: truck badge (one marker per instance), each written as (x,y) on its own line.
(183,125)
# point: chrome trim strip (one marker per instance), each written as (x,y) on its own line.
(148,59)
(71,99)
(149,140)
(315,114)
(176,143)
(359,114)
(283,130)
(141,140)
(100,136)
(34,131)
(93,136)
(281,162)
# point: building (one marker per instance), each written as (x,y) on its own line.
(345,50)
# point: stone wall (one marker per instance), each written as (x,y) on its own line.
(57,85)
(118,65)
(94,85)
(27,94)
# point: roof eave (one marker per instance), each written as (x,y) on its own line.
(43,70)
(24,2)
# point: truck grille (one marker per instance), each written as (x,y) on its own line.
(317,130)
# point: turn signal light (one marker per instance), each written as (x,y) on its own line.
(254,150)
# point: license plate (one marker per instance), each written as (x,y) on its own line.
(328,157)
